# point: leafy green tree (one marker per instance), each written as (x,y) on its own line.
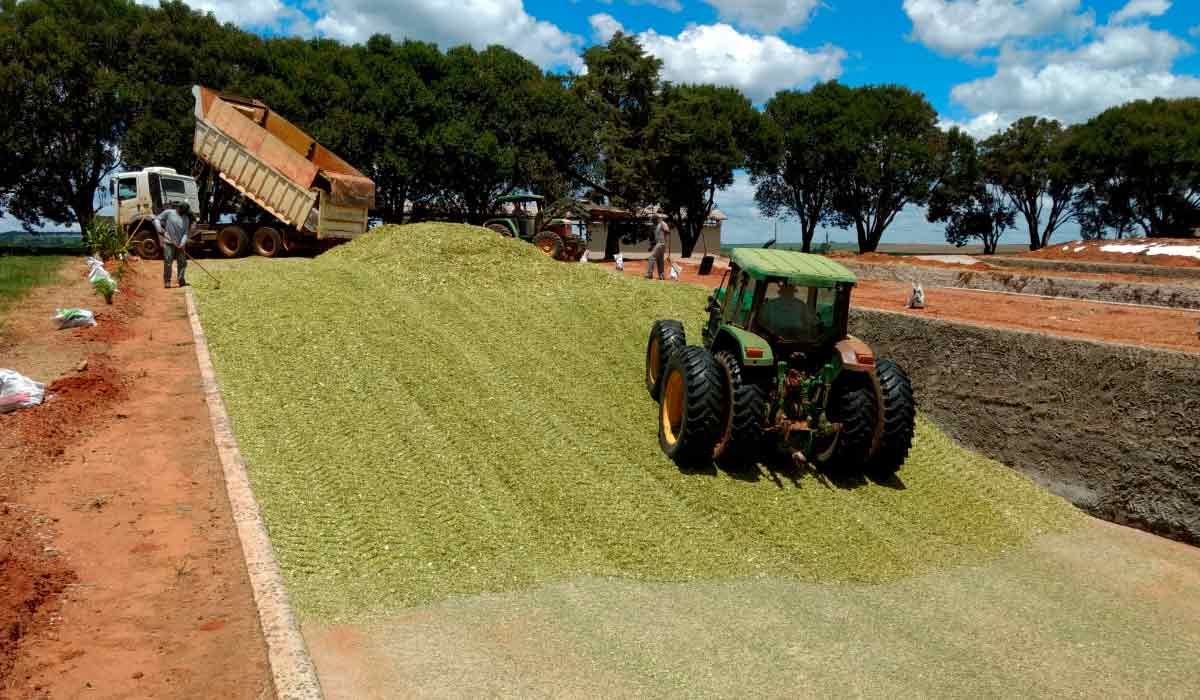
(73,104)
(1140,169)
(1030,163)
(971,208)
(699,137)
(886,146)
(795,175)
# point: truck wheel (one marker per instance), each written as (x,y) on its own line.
(854,403)
(549,243)
(146,246)
(501,229)
(899,418)
(742,436)
(233,242)
(665,338)
(689,420)
(267,242)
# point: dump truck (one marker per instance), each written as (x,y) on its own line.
(260,184)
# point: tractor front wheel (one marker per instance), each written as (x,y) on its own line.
(501,229)
(665,338)
(855,404)
(746,411)
(549,243)
(899,418)
(693,396)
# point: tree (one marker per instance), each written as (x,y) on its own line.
(696,141)
(1140,168)
(970,207)
(886,143)
(74,101)
(795,174)
(1029,162)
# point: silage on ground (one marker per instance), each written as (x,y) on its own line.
(432,410)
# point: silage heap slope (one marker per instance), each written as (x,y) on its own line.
(434,410)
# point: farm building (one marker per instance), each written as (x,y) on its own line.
(608,225)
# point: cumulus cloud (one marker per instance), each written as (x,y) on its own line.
(476,22)
(1122,63)
(258,14)
(1140,8)
(768,16)
(758,65)
(962,27)
(980,126)
(604,26)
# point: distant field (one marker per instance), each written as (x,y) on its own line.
(898,248)
(20,273)
(58,242)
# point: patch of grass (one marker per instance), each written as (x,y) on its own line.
(20,273)
(433,410)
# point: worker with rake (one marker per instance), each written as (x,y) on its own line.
(173,226)
(658,254)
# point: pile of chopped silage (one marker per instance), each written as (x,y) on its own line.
(433,410)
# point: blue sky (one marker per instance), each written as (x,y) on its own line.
(981,63)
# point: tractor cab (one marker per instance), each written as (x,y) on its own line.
(520,219)
(790,302)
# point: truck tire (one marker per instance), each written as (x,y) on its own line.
(899,419)
(267,242)
(689,418)
(233,242)
(549,243)
(742,437)
(854,403)
(665,338)
(146,246)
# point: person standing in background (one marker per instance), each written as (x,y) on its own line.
(658,254)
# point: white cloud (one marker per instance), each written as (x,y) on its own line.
(980,126)
(1123,63)
(604,26)
(476,22)
(1140,8)
(768,16)
(962,27)
(668,5)
(758,66)
(253,14)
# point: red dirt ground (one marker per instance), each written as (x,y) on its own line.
(1092,253)
(1172,329)
(120,569)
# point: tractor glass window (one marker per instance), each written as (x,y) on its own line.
(789,312)
(173,187)
(735,305)
(126,189)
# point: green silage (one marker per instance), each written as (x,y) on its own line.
(433,410)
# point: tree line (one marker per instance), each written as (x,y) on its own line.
(92,86)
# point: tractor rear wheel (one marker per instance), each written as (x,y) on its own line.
(899,418)
(742,436)
(854,403)
(549,243)
(693,397)
(233,242)
(665,338)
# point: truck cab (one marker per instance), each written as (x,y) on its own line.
(141,195)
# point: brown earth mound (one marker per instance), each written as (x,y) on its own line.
(1092,251)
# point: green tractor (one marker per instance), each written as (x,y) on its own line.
(779,373)
(560,238)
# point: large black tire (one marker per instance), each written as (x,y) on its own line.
(745,417)
(146,245)
(233,242)
(267,242)
(854,403)
(665,338)
(549,243)
(693,401)
(899,418)
(501,229)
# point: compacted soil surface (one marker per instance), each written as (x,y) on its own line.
(121,574)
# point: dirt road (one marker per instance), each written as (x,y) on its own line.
(1172,329)
(122,574)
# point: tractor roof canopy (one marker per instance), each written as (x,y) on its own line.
(519,198)
(804,269)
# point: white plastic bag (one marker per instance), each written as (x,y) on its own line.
(620,261)
(675,270)
(18,391)
(74,318)
(583,258)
